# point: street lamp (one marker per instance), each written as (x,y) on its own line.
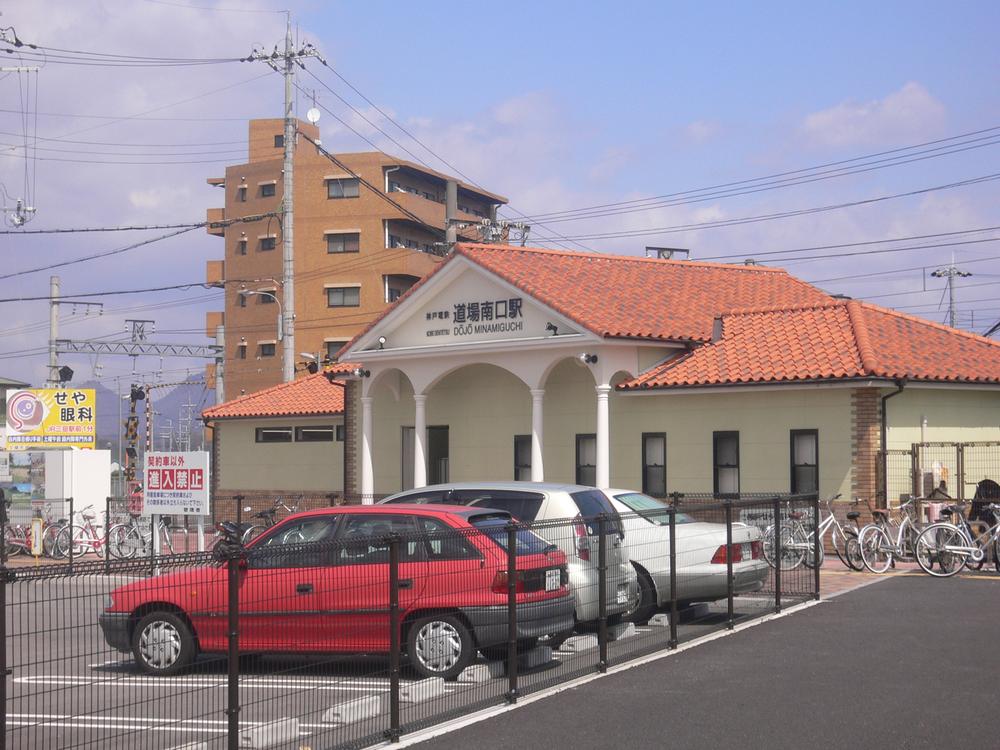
(266,293)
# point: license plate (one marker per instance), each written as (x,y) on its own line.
(553,579)
(623,594)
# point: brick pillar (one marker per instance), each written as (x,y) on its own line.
(866,442)
(352,408)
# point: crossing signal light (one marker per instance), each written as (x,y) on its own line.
(138,393)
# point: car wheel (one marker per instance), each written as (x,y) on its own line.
(439,646)
(646,607)
(162,644)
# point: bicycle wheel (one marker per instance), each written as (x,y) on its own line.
(852,551)
(253,532)
(811,560)
(49,539)
(10,541)
(792,547)
(123,541)
(839,543)
(936,544)
(876,549)
(69,537)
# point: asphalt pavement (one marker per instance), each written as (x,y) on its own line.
(910,662)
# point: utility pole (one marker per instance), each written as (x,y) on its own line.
(53,331)
(950,272)
(288,60)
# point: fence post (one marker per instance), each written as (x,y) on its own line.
(511,612)
(107,536)
(6,575)
(960,470)
(154,534)
(675,501)
(233,680)
(602,594)
(394,648)
(777,554)
(239,509)
(331,499)
(729,563)
(817,544)
(70,532)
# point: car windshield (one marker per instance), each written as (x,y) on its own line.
(650,508)
(495,527)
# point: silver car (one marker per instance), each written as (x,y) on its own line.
(701,554)
(565,515)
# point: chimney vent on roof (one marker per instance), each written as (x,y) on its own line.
(750,262)
(717,329)
(667,253)
(841,296)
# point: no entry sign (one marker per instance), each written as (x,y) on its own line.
(176,484)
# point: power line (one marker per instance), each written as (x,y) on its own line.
(132,145)
(786,214)
(73,115)
(749,181)
(896,270)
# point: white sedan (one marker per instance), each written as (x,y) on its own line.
(701,554)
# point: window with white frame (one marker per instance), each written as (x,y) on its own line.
(804,461)
(342,187)
(726,463)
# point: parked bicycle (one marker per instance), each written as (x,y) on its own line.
(884,542)
(268,518)
(953,544)
(798,545)
(83,537)
(133,537)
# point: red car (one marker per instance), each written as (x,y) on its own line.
(319,582)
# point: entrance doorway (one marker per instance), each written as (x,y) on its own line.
(437,456)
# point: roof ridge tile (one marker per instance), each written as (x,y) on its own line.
(861,338)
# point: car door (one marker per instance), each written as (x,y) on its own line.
(287,568)
(356,601)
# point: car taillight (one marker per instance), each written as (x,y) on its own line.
(736,551)
(582,539)
(756,550)
(499,585)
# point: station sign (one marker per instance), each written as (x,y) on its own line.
(51,418)
(176,483)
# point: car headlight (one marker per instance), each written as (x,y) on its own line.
(109,602)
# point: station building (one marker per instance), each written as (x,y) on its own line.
(661,375)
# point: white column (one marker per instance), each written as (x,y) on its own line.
(603,437)
(420,441)
(367,469)
(537,467)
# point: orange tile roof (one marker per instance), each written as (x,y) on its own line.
(835,340)
(308,396)
(624,296)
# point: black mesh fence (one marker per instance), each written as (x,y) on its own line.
(347,626)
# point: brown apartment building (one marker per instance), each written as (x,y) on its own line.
(354,252)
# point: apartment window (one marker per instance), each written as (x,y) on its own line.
(342,188)
(332,347)
(241,351)
(522,458)
(343,243)
(267,350)
(268,243)
(804,460)
(241,300)
(241,247)
(273,435)
(397,241)
(654,464)
(266,298)
(586,459)
(318,434)
(726,460)
(241,194)
(267,190)
(279,141)
(343,296)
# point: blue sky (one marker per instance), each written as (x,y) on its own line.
(557,105)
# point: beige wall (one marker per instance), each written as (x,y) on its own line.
(287,467)
(485,407)
(953,415)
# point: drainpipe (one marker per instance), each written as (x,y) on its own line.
(900,385)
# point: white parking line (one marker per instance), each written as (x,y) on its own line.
(196,682)
(144,723)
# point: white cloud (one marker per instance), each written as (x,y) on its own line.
(701,131)
(910,114)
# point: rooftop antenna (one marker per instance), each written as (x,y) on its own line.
(667,253)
